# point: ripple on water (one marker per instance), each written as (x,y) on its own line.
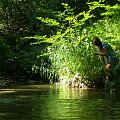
(51,103)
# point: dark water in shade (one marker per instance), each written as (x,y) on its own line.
(50,103)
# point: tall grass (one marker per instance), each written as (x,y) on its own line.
(73,53)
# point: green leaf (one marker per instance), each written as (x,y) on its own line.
(48,21)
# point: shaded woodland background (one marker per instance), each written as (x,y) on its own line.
(50,40)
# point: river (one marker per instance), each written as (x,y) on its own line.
(45,102)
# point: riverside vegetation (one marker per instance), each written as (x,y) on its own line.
(50,41)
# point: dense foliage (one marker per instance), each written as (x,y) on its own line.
(49,40)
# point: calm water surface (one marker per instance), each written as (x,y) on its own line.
(56,103)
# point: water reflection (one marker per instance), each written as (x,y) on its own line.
(52,103)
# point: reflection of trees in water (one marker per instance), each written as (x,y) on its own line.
(73,103)
(112,106)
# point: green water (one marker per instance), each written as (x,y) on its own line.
(56,103)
